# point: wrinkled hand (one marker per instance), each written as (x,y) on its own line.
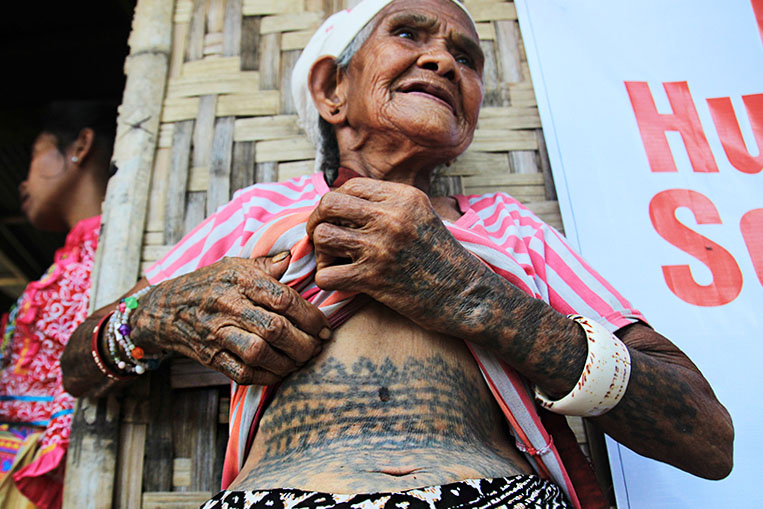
(384,239)
(234,316)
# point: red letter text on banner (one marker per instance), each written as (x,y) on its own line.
(727,278)
(752,231)
(757,7)
(727,124)
(684,119)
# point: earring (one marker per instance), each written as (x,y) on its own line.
(75,159)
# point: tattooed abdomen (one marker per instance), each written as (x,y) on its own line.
(386,406)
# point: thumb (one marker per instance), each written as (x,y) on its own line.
(275,265)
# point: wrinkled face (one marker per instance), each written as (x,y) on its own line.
(419,74)
(45,188)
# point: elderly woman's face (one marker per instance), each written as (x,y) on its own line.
(419,74)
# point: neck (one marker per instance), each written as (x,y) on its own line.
(384,169)
(86,199)
(391,160)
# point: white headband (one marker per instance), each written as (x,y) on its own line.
(332,38)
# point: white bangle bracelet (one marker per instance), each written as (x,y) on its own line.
(604,379)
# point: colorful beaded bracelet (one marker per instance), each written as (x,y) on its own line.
(95,351)
(135,362)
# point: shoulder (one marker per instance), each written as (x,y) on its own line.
(499,209)
(489,202)
(291,189)
(266,198)
(229,228)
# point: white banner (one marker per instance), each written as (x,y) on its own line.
(653,117)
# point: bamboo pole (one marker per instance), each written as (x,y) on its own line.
(124,212)
(91,463)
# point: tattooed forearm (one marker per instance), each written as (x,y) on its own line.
(451,291)
(669,411)
(649,390)
(81,376)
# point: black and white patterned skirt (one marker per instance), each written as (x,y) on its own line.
(518,492)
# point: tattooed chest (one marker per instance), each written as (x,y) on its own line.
(373,425)
(387,404)
(418,403)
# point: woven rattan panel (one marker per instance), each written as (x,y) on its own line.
(228,119)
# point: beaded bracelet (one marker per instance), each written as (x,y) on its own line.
(95,351)
(604,379)
(119,332)
(115,341)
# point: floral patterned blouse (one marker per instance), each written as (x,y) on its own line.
(35,333)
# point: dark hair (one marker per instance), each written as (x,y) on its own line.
(66,119)
(329,147)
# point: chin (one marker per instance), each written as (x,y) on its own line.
(432,126)
(442,138)
(444,141)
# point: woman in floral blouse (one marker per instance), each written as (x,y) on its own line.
(69,169)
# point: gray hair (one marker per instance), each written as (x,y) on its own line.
(327,155)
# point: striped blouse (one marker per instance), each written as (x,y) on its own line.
(266,219)
(538,259)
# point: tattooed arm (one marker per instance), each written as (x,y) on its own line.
(398,251)
(233,316)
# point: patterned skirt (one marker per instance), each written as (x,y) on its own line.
(12,438)
(519,492)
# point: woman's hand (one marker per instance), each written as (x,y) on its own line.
(235,317)
(384,239)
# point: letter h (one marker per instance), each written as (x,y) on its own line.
(684,119)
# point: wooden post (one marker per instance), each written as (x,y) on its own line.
(91,462)
(118,262)
(91,459)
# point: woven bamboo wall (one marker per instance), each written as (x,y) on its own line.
(227,121)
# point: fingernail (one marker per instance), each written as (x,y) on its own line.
(325,333)
(280,256)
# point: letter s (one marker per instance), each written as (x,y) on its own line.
(727,278)
(752,231)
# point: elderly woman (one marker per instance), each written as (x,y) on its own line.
(378,312)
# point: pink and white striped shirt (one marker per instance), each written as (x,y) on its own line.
(535,257)
(266,219)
